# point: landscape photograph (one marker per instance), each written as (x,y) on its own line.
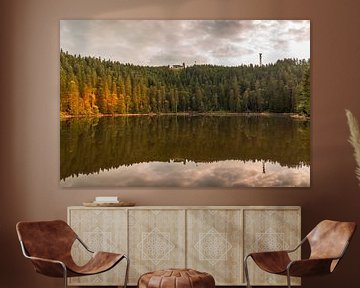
(185,103)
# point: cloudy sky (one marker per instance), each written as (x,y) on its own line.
(164,42)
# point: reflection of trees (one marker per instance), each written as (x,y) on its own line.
(90,145)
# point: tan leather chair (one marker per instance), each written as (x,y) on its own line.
(328,242)
(48,245)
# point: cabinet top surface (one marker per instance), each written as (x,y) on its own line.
(192,207)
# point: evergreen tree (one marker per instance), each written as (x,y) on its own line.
(91,85)
(303,103)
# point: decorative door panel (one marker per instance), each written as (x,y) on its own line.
(269,230)
(209,239)
(100,230)
(156,240)
(214,244)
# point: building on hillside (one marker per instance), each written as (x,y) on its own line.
(177,66)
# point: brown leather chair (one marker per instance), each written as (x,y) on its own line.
(328,242)
(48,245)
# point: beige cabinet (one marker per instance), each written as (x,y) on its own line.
(156,240)
(214,243)
(268,230)
(211,239)
(101,230)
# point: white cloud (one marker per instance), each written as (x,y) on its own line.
(163,42)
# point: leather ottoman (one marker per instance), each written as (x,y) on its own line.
(176,278)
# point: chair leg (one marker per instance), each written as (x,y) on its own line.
(65,276)
(288,278)
(246,272)
(127,271)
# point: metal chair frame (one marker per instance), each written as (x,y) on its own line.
(288,276)
(23,249)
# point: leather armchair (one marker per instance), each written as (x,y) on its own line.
(48,245)
(328,242)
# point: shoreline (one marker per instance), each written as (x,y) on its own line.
(217,113)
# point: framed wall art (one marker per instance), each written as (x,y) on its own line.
(185,103)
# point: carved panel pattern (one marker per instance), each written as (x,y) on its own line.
(213,246)
(270,230)
(209,239)
(157,241)
(101,230)
(214,241)
(156,246)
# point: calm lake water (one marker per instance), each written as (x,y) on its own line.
(185,151)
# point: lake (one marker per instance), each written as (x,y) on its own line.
(185,151)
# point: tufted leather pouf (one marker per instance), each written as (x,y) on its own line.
(176,278)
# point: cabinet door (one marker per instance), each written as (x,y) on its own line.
(100,230)
(156,240)
(214,244)
(269,230)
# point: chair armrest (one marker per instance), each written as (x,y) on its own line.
(48,267)
(45,260)
(309,267)
(268,253)
(298,246)
(280,251)
(83,244)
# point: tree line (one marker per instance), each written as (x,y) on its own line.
(93,86)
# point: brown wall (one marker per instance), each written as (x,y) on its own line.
(29,111)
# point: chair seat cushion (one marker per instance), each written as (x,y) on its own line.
(176,278)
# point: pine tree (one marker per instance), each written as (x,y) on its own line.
(303,102)
(91,85)
(74,98)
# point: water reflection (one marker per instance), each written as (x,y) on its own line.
(185,151)
(230,173)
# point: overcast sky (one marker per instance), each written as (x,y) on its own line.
(167,42)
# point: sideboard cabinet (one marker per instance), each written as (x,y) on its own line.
(212,239)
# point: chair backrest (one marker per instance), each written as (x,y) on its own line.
(329,239)
(46,239)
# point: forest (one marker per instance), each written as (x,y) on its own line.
(91,86)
